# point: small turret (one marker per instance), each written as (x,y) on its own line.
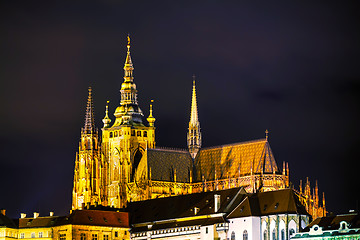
(151,118)
(106,119)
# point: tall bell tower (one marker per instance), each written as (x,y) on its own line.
(124,143)
(86,188)
(194,134)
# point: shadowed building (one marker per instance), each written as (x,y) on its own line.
(346,226)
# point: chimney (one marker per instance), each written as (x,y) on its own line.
(3,211)
(51,214)
(216,202)
(22,215)
(36,214)
(196,210)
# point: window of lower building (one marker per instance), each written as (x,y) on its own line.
(282,234)
(265,235)
(245,235)
(40,234)
(139,133)
(291,231)
(145,133)
(111,134)
(116,234)
(22,235)
(32,235)
(62,236)
(82,236)
(132,132)
(106,237)
(206,230)
(94,236)
(273,234)
(232,236)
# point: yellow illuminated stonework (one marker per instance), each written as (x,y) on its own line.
(127,166)
(79,225)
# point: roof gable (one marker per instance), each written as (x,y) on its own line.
(269,203)
(235,159)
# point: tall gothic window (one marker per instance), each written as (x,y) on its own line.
(282,234)
(245,235)
(265,235)
(274,234)
(233,235)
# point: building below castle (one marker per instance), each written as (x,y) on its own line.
(346,226)
(122,164)
(220,214)
(78,225)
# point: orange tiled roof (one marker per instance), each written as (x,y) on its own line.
(227,160)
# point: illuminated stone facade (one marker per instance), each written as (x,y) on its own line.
(129,167)
(80,225)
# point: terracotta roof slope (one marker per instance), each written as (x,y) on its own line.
(99,218)
(48,221)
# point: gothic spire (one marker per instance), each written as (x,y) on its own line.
(128,67)
(194,134)
(89,126)
(194,113)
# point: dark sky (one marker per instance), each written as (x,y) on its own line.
(290,67)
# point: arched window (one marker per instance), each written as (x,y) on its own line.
(273,234)
(291,231)
(245,235)
(282,234)
(265,235)
(233,235)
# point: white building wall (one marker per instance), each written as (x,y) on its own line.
(208,234)
(239,225)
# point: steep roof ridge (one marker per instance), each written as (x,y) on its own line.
(241,193)
(235,144)
(169,149)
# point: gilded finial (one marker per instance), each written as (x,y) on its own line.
(266,134)
(106,120)
(128,39)
(194,79)
(151,118)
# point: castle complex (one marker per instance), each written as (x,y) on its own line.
(123,164)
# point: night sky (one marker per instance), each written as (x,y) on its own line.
(290,67)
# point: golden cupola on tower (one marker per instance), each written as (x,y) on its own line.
(129,111)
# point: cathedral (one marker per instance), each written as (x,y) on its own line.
(122,163)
